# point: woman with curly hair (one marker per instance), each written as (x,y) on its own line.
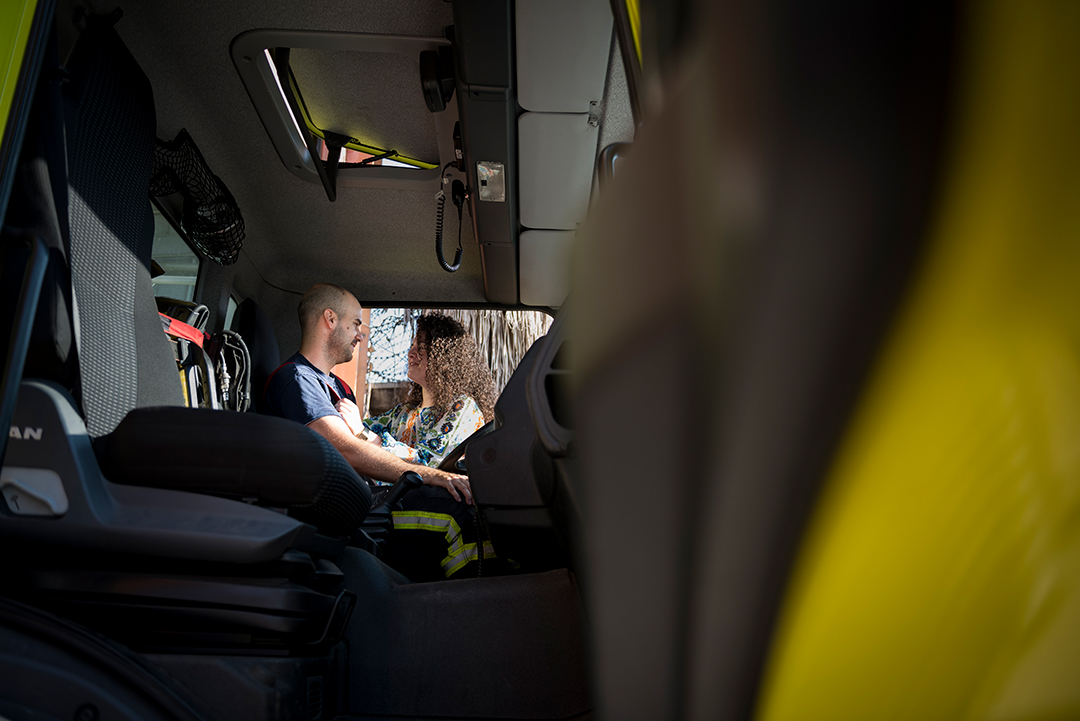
(452,395)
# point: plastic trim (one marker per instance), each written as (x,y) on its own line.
(607,159)
(20,335)
(556,439)
(487,104)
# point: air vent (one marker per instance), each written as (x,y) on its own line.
(314,698)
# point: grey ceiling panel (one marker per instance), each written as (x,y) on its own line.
(555,156)
(562,54)
(544,257)
(373,97)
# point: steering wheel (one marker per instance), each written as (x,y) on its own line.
(454,461)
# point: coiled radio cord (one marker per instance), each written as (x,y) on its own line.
(457,193)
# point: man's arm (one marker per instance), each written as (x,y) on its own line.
(376,463)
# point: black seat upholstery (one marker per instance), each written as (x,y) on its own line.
(246,455)
(519,480)
(255,328)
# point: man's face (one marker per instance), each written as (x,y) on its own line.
(341,345)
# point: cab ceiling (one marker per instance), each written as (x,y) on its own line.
(379,243)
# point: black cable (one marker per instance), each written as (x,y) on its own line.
(459,201)
(439,209)
(479,542)
(459,208)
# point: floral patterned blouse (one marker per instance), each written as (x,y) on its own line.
(418,435)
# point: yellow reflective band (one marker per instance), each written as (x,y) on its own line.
(456,561)
(427,521)
(459,553)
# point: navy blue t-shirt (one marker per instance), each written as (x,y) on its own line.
(301,392)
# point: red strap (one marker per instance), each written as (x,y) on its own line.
(345,385)
(180,329)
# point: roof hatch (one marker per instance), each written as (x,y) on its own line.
(353,100)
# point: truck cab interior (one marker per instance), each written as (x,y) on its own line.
(210,541)
(800,442)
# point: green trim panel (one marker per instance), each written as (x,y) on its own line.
(15,20)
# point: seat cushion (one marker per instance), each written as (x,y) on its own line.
(272,460)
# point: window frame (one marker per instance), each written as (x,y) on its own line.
(167,212)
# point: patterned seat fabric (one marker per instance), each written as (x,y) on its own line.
(125,359)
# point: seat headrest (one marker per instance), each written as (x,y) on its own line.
(255,328)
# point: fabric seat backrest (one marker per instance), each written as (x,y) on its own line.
(125,359)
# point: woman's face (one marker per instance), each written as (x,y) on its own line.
(418,363)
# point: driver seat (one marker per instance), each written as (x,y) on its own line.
(118,494)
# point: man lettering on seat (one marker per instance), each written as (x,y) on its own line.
(303,389)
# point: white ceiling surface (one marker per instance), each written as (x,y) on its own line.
(549,251)
(379,243)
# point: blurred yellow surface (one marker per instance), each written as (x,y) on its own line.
(16,17)
(940,577)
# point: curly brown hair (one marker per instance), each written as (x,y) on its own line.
(454,367)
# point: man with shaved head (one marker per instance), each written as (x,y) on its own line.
(305,390)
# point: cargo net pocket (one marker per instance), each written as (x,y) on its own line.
(211,217)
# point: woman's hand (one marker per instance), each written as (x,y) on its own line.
(351,415)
